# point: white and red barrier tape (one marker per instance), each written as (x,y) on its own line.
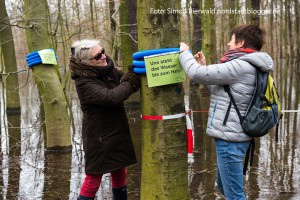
(190,142)
(164,117)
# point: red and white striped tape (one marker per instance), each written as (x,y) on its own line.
(164,117)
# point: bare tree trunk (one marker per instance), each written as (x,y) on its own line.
(255,5)
(222,42)
(77,12)
(197,32)
(287,56)
(9,56)
(292,56)
(113,25)
(297,64)
(164,156)
(128,32)
(232,4)
(248,6)
(92,17)
(206,32)
(13,108)
(281,39)
(116,42)
(47,80)
(277,55)
(271,22)
(213,38)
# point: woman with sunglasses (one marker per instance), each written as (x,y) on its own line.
(107,143)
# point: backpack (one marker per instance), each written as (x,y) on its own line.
(263,112)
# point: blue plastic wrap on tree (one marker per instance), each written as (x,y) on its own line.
(140,55)
(34,58)
(34,63)
(138,63)
(139,70)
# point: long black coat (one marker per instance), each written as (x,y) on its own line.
(106,137)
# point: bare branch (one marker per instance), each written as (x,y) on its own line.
(124,33)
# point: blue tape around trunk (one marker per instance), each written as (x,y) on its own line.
(138,63)
(34,63)
(34,58)
(140,55)
(139,70)
(32,54)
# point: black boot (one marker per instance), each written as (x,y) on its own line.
(85,198)
(120,193)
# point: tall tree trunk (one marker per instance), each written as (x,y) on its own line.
(292,56)
(77,12)
(113,26)
(128,35)
(248,6)
(47,80)
(281,57)
(222,42)
(197,32)
(164,155)
(287,56)
(9,56)
(13,109)
(277,55)
(116,42)
(92,17)
(255,5)
(206,31)
(271,35)
(297,60)
(128,30)
(232,4)
(213,37)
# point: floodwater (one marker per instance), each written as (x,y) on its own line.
(35,174)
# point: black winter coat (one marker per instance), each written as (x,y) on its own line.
(106,136)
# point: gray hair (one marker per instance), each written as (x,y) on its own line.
(81,49)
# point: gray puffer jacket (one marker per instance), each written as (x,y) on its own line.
(239,74)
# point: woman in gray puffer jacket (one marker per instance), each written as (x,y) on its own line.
(236,69)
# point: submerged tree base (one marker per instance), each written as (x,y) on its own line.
(59,149)
(13,110)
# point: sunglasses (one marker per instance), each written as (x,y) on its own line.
(98,55)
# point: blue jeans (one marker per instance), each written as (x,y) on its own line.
(230,159)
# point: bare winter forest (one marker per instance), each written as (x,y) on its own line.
(40,116)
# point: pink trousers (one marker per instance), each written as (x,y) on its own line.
(92,183)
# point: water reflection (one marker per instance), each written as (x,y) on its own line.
(275,173)
(32,147)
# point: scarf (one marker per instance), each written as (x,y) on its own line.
(84,69)
(235,53)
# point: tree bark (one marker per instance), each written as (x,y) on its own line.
(51,91)
(255,5)
(292,57)
(197,32)
(10,63)
(213,38)
(232,4)
(206,32)
(12,102)
(286,56)
(128,31)
(164,154)
(92,18)
(297,62)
